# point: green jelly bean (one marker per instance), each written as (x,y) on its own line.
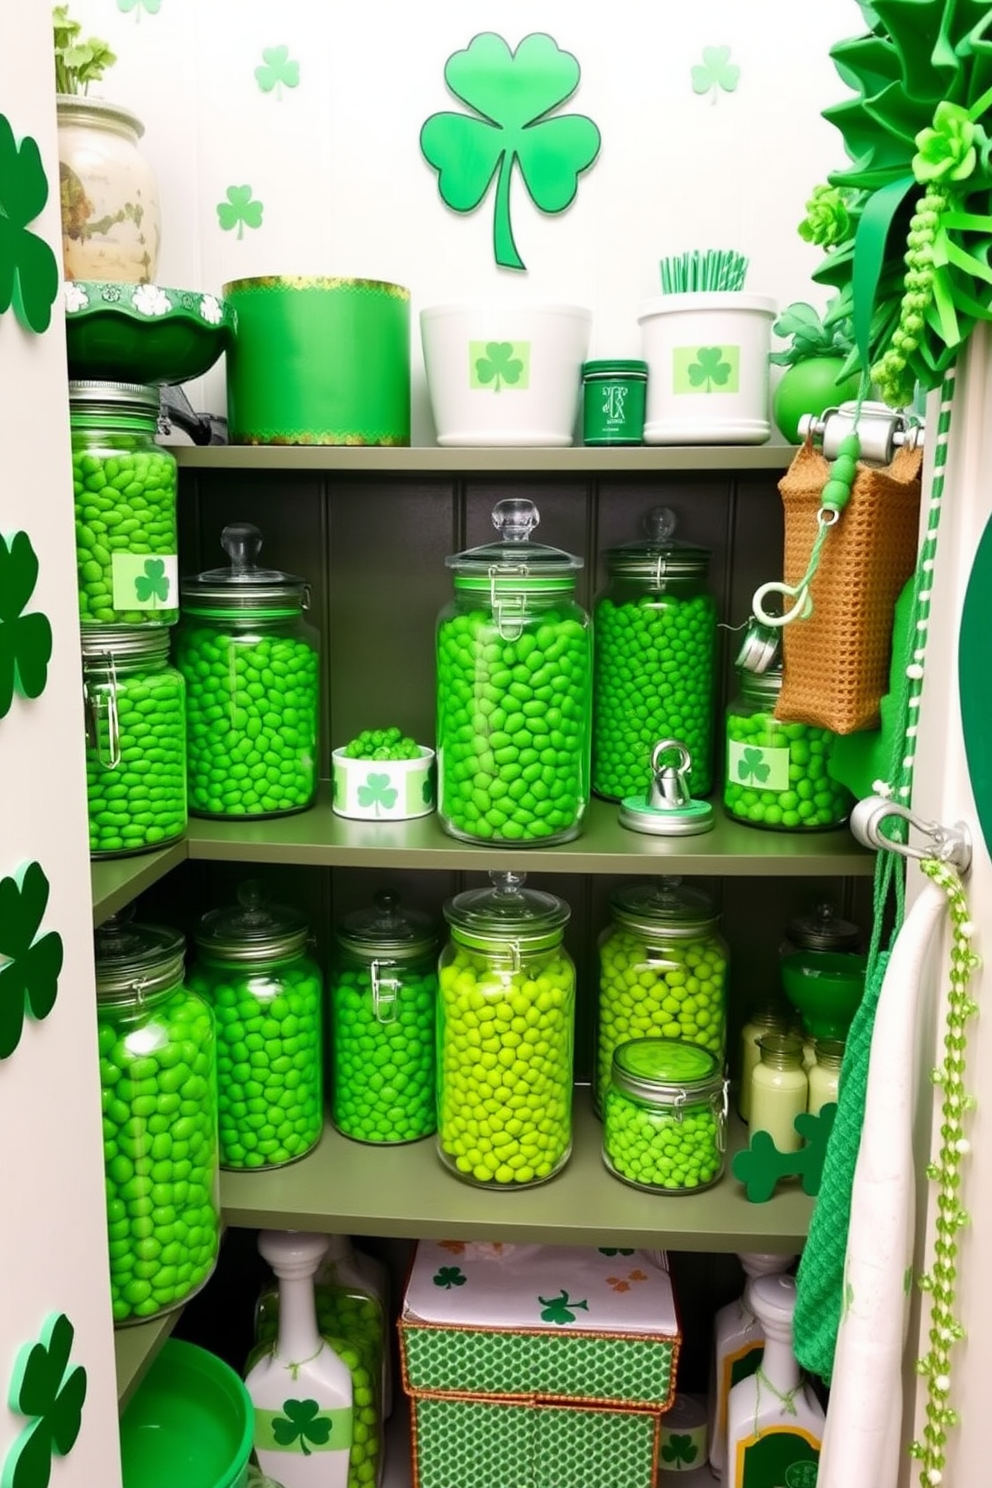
(654,679)
(280,1087)
(252,702)
(169,1207)
(382,744)
(505,1066)
(656,1147)
(383,1053)
(777,774)
(125,503)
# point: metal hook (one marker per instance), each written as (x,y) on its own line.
(947,844)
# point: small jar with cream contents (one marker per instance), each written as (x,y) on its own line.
(779,1089)
(824,1075)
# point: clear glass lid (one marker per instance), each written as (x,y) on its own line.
(136,959)
(658,553)
(663,904)
(508,911)
(387,930)
(514,555)
(254,929)
(244,585)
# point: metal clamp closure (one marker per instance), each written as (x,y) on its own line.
(385,993)
(99,700)
(720,1104)
(946,844)
(509,609)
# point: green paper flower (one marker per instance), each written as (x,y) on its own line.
(827,221)
(29,964)
(25,640)
(47,1390)
(302,1421)
(947,148)
(29,273)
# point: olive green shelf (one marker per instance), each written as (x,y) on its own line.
(432,460)
(351,1188)
(116,881)
(136,1347)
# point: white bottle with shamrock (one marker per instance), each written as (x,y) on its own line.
(301,1390)
(738,1342)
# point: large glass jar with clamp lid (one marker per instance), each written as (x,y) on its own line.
(514,690)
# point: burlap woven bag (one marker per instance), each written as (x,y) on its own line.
(836,662)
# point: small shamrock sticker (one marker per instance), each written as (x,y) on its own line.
(611,1250)
(557,1309)
(752,766)
(377,792)
(303,1421)
(153,584)
(716,72)
(679,1448)
(43,1390)
(448,1277)
(709,370)
(29,272)
(239,210)
(277,72)
(30,974)
(25,640)
(152,7)
(498,366)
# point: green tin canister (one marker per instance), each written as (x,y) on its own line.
(319,361)
(613,400)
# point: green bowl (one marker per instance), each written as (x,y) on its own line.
(826,988)
(143,333)
(189,1423)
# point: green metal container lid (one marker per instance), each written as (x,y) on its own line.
(507,912)
(136,960)
(615,369)
(252,930)
(658,554)
(515,561)
(387,932)
(243,586)
(666,1070)
(663,906)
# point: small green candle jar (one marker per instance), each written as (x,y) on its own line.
(613,399)
(665,1120)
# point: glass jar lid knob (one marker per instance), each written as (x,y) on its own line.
(660,523)
(515,519)
(507,885)
(242,542)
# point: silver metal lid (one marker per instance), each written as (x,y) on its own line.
(114,397)
(109,643)
(135,961)
(760,647)
(668,810)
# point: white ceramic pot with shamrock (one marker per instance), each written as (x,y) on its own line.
(707,355)
(505,372)
(383,789)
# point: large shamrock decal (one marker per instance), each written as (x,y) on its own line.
(557,1309)
(31,973)
(42,1389)
(239,210)
(25,640)
(153,584)
(278,71)
(752,766)
(449,1276)
(513,94)
(499,365)
(302,1420)
(679,1448)
(29,273)
(377,792)
(709,370)
(716,72)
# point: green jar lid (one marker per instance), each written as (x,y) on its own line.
(608,369)
(662,907)
(666,1070)
(507,913)
(244,586)
(515,562)
(658,555)
(386,932)
(110,643)
(253,930)
(135,961)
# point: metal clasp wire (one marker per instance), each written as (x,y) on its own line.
(385,993)
(97,697)
(511,606)
(721,1110)
(946,844)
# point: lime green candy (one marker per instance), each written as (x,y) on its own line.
(139,803)
(159,1098)
(678,993)
(513,726)
(125,502)
(251,702)
(762,751)
(505,1068)
(269,1060)
(653,1148)
(382,744)
(384,1065)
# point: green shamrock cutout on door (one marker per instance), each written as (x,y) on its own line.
(751,765)
(709,370)
(449,1276)
(557,1309)
(499,365)
(153,583)
(29,272)
(304,1421)
(239,210)
(25,640)
(513,94)
(278,71)
(679,1448)
(761,1165)
(51,1395)
(30,976)
(377,792)
(716,72)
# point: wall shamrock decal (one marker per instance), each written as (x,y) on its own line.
(52,1396)
(302,1419)
(152,7)
(377,792)
(152,584)
(29,272)
(716,72)
(513,93)
(25,640)
(277,71)
(557,1309)
(239,210)
(497,366)
(679,1448)
(31,973)
(449,1276)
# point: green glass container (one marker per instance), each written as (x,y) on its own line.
(662,972)
(124,487)
(506,1016)
(777,773)
(252,686)
(656,651)
(158,1081)
(613,399)
(665,1121)
(514,691)
(383,1000)
(135,706)
(267,996)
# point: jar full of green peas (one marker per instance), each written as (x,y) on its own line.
(383,1000)
(158,1081)
(506,1015)
(252,692)
(655,671)
(135,706)
(665,1119)
(266,994)
(514,690)
(124,487)
(777,773)
(662,973)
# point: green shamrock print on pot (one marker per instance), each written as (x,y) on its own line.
(716,72)
(51,1395)
(277,72)
(448,1277)
(303,1421)
(709,370)
(239,211)
(679,1448)
(499,366)
(153,584)
(25,640)
(751,765)
(29,271)
(558,1309)
(30,975)
(513,93)
(377,792)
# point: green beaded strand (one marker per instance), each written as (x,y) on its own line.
(892,374)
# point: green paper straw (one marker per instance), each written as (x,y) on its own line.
(695,271)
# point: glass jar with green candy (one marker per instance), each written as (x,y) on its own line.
(135,705)
(266,993)
(655,671)
(252,686)
(665,1119)
(777,773)
(383,997)
(662,972)
(158,1080)
(124,487)
(506,1015)
(514,690)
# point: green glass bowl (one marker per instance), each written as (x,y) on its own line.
(143,333)
(190,1422)
(825,987)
